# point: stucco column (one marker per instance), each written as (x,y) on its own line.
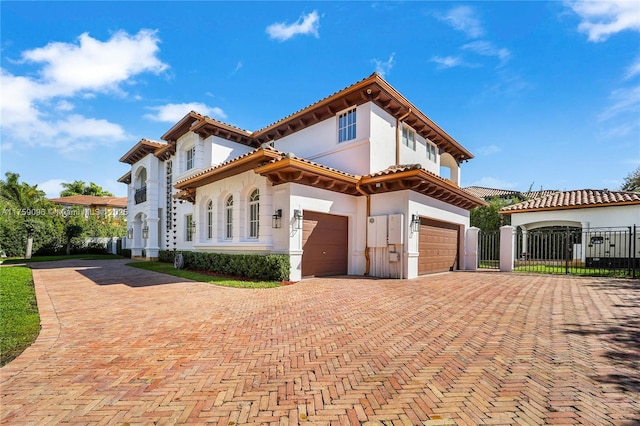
(136,247)
(471,249)
(524,251)
(507,246)
(152,248)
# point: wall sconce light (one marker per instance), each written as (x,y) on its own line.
(415,223)
(297,217)
(130,233)
(276,219)
(145,232)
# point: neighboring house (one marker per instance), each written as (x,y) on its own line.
(589,210)
(115,207)
(348,185)
(506,194)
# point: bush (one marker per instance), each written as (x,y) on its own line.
(268,267)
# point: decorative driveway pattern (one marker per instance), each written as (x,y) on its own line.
(125,346)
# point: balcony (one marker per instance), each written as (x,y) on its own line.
(140,195)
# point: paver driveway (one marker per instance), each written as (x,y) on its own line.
(121,345)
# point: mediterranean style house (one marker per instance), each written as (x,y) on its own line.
(113,207)
(348,185)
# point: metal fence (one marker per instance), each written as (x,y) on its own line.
(489,250)
(576,251)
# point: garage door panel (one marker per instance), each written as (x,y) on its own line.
(438,247)
(324,244)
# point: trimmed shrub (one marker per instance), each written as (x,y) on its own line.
(267,267)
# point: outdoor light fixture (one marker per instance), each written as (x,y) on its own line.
(130,233)
(276,219)
(415,223)
(145,232)
(297,217)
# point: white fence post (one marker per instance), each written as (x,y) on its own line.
(507,244)
(471,249)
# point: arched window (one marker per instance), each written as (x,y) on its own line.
(210,220)
(228,218)
(254,214)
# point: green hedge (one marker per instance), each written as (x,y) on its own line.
(267,267)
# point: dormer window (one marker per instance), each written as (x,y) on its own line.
(347,125)
(409,137)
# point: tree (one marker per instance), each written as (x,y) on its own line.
(488,218)
(79,187)
(632,181)
(21,195)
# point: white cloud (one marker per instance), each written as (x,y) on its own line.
(52,187)
(447,61)
(623,101)
(306,24)
(172,113)
(94,65)
(486,48)
(384,67)
(633,70)
(35,109)
(491,182)
(601,19)
(489,150)
(462,18)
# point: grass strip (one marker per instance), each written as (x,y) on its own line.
(168,268)
(17,260)
(20,323)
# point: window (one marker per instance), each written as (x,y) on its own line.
(228,218)
(189,225)
(431,152)
(191,158)
(347,125)
(210,220)
(409,137)
(254,214)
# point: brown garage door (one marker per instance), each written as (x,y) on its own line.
(438,246)
(324,244)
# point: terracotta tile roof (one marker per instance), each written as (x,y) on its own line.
(141,150)
(487,193)
(575,199)
(92,200)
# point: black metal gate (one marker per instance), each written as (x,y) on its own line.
(489,249)
(576,251)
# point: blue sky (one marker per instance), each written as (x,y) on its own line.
(545,94)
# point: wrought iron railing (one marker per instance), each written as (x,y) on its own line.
(140,195)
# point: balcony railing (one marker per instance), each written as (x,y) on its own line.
(140,195)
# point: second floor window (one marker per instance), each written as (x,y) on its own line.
(409,137)
(254,214)
(347,125)
(431,152)
(191,158)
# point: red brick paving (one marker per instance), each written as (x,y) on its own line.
(122,346)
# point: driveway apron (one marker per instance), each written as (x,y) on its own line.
(120,345)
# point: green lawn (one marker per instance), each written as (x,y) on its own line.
(573,270)
(20,323)
(167,268)
(16,260)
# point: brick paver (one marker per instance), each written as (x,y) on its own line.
(124,346)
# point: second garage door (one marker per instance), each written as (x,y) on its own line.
(438,246)
(324,244)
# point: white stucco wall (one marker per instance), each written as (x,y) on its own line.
(319,143)
(592,217)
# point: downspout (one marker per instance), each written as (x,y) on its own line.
(398,120)
(366,230)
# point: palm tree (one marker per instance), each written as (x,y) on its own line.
(79,187)
(21,195)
